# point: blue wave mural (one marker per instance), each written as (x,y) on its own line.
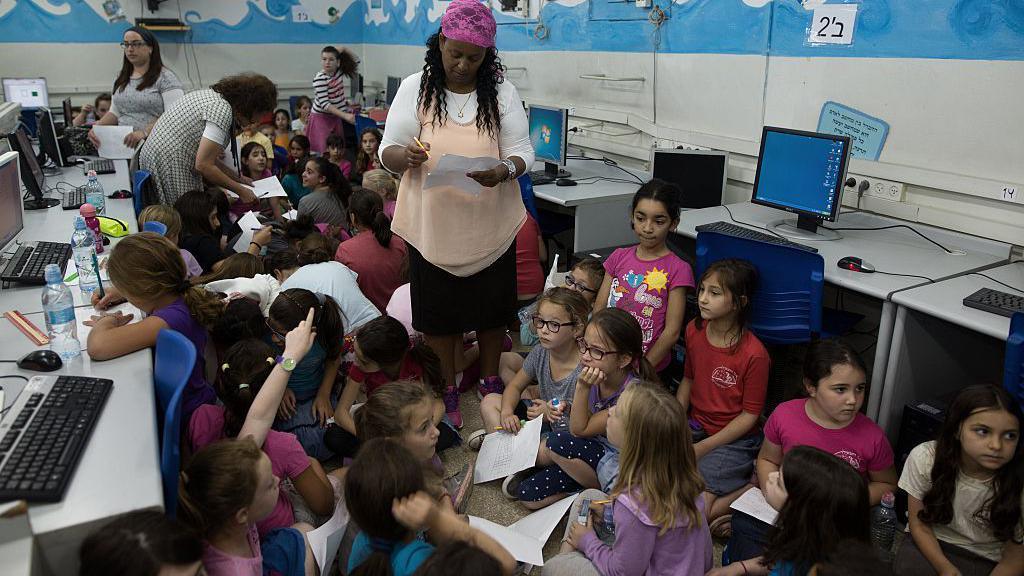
(947,29)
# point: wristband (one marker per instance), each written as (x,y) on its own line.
(744,566)
(258,245)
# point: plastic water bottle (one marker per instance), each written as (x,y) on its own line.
(94,193)
(84,251)
(92,223)
(883,526)
(59,312)
(555,403)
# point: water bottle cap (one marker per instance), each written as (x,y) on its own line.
(87,210)
(91,174)
(52,274)
(888,500)
(79,223)
(554,401)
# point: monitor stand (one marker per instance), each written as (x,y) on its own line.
(806,228)
(41,203)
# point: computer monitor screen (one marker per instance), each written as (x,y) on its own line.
(12,218)
(69,114)
(803,173)
(49,143)
(29,92)
(700,174)
(393,83)
(548,135)
(31,173)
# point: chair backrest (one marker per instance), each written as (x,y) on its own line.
(526,190)
(140,178)
(293,106)
(175,359)
(1013,367)
(787,304)
(364,122)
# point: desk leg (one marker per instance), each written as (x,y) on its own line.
(883,350)
(602,225)
(892,370)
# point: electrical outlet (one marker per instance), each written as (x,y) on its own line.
(885,189)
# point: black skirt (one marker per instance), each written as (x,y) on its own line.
(443,303)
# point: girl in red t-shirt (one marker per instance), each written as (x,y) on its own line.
(724,384)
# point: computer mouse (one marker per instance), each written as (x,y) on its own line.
(121,194)
(855,264)
(41,361)
(565,182)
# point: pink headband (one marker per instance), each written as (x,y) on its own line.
(469,21)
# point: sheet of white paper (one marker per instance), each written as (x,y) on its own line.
(451,170)
(523,548)
(752,502)
(291,214)
(112,142)
(247,222)
(72,270)
(326,539)
(502,453)
(543,521)
(87,312)
(269,187)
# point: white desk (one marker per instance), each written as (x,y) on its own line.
(601,208)
(898,250)
(119,471)
(939,345)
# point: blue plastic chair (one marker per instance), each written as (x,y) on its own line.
(787,305)
(364,122)
(175,358)
(139,180)
(1013,367)
(526,190)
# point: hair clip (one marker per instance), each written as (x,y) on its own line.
(271,360)
(242,386)
(224,367)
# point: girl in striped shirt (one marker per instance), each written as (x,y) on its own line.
(330,107)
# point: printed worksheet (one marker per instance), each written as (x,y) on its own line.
(525,539)
(503,453)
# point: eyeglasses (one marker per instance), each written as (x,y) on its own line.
(135,45)
(273,331)
(552,325)
(572,283)
(595,353)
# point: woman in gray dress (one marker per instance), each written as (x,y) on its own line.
(186,144)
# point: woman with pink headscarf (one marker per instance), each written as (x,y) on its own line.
(462,267)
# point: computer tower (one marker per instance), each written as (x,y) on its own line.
(921,423)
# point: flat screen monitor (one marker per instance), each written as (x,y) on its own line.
(803,173)
(389,94)
(31,173)
(700,174)
(49,142)
(12,218)
(29,92)
(69,114)
(549,136)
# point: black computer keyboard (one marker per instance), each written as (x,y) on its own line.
(541,177)
(28,264)
(45,433)
(74,199)
(735,231)
(101,166)
(996,302)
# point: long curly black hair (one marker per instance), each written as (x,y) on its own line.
(432,86)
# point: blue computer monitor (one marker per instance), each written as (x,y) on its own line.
(803,173)
(549,136)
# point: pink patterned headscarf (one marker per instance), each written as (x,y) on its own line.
(469,21)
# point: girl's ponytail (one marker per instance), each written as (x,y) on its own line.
(645,370)
(368,209)
(204,306)
(426,357)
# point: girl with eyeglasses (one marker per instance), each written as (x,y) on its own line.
(611,352)
(546,382)
(143,90)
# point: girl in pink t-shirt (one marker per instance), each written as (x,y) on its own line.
(247,364)
(648,280)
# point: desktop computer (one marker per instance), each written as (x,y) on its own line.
(69,114)
(700,174)
(392,88)
(550,138)
(31,93)
(50,144)
(803,173)
(31,173)
(10,115)
(12,217)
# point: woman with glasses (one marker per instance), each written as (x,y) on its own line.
(144,88)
